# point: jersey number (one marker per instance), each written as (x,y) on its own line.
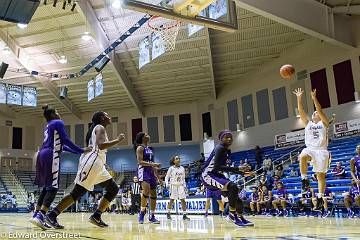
(316,135)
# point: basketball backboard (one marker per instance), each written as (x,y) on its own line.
(215,14)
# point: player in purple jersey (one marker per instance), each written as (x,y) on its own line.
(147,174)
(280,197)
(255,200)
(328,197)
(216,194)
(355,167)
(48,163)
(91,171)
(212,177)
(265,199)
(306,198)
(353,196)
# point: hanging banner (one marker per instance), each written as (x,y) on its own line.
(347,128)
(29,96)
(289,139)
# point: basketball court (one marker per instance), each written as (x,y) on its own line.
(126,227)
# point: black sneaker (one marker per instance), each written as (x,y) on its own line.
(97,221)
(52,221)
(186,218)
(304,184)
(168,215)
(319,205)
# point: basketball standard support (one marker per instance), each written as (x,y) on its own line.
(155,10)
(308,16)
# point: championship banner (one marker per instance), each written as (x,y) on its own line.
(289,139)
(193,205)
(347,128)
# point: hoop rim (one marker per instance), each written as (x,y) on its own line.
(177,23)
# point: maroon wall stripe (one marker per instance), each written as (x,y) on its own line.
(319,82)
(344,82)
(136,126)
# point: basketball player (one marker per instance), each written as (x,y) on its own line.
(306,198)
(353,196)
(147,175)
(316,141)
(91,171)
(255,201)
(212,177)
(175,180)
(328,196)
(209,196)
(265,199)
(48,163)
(355,167)
(280,197)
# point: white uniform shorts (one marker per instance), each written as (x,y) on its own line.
(91,171)
(320,159)
(177,192)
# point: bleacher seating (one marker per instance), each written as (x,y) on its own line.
(3,189)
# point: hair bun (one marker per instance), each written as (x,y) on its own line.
(45,107)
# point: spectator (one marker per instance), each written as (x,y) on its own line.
(246,166)
(293,172)
(276,181)
(280,197)
(263,181)
(202,158)
(255,201)
(279,171)
(267,164)
(199,192)
(339,171)
(258,157)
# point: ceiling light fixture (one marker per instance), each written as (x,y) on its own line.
(6,50)
(86,36)
(21,25)
(116,4)
(63,59)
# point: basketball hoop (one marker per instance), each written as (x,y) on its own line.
(167,31)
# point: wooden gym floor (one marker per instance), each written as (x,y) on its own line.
(126,227)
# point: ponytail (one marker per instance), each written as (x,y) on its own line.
(96,120)
(138,140)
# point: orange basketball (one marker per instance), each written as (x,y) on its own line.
(287,71)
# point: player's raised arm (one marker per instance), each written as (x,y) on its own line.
(101,139)
(319,110)
(299,92)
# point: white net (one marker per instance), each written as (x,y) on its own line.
(167,31)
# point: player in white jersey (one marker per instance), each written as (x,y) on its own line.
(175,180)
(92,171)
(316,141)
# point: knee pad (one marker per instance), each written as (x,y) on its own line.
(49,198)
(233,194)
(77,192)
(111,190)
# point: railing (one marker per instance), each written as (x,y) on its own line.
(277,162)
(16,182)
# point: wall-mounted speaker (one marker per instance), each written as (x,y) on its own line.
(63,92)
